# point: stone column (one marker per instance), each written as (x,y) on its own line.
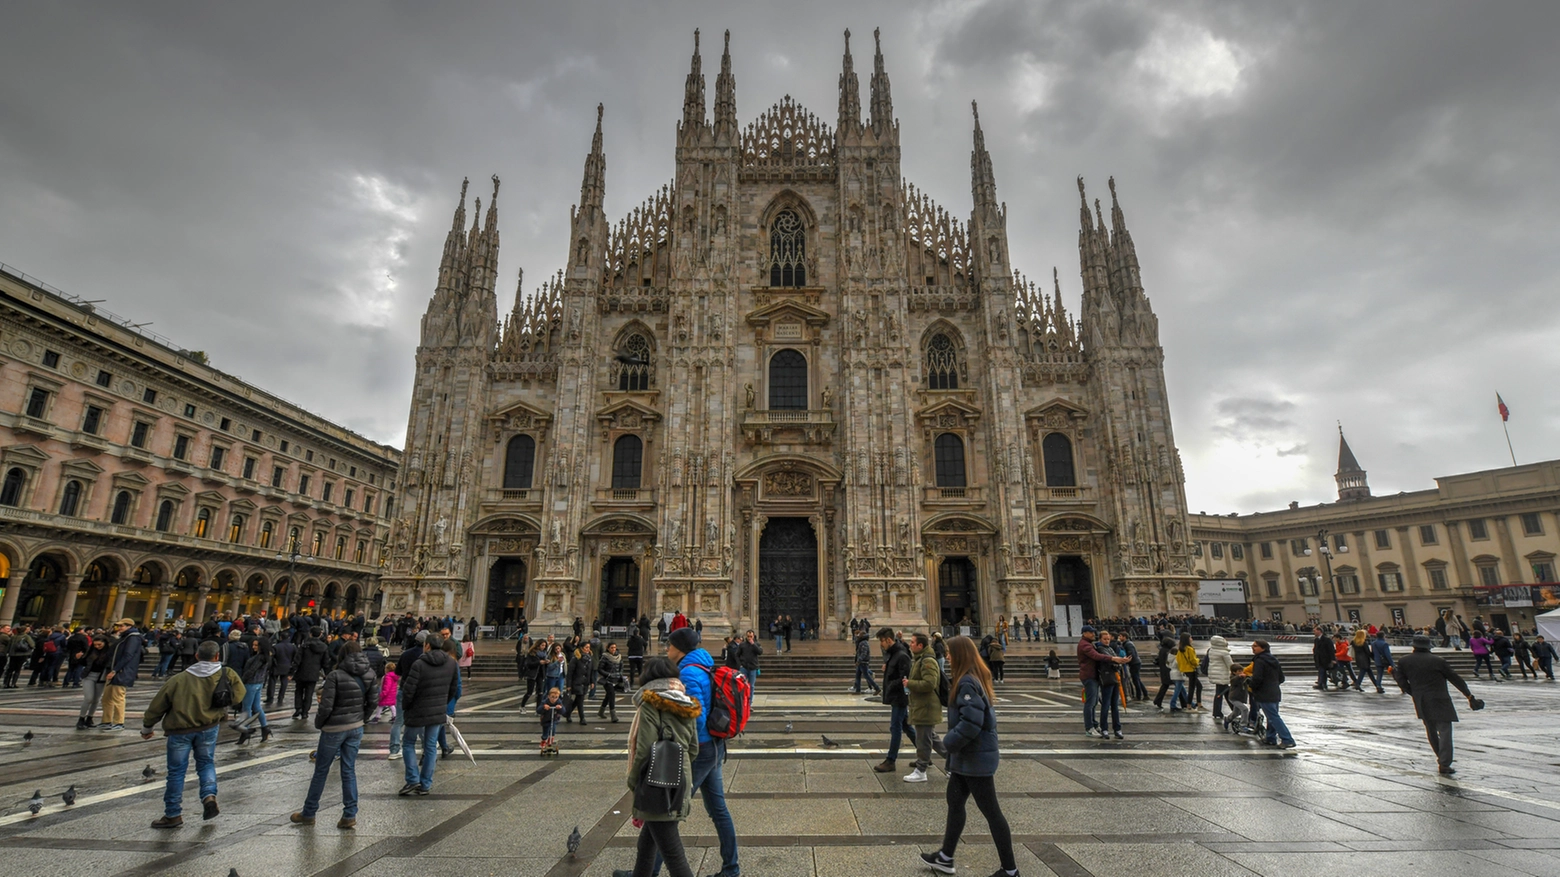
(13,591)
(238,599)
(68,599)
(200,604)
(119,604)
(163,593)
(265,600)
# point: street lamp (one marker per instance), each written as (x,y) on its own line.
(292,569)
(1321,542)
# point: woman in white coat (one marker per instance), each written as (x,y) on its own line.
(1218,666)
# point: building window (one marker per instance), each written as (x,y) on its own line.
(949,453)
(368,503)
(1543,571)
(942,364)
(319,542)
(1427,534)
(1437,578)
(266,530)
(519,458)
(1340,542)
(277,474)
(1307,585)
(149,396)
(1271,586)
(139,433)
(249,468)
(218,456)
(1390,580)
(787,251)
(346,498)
(293,536)
(181,447)
(341,547)
(11,491)
(330,487)
(121,510)
(189,409)
(1217,550)
(164,516)
(1383,540)
(1477,529)
(284,447)
(352,472)
(303,484)
(1489,574)
(634,364)
(1348,583)
(1057,453)
(51,359)
(202,523)
(236,528)
(1266,550)
(92,421)
(70,500)
(1297,547)
(332,464)
(389,504)
(37,403)
(1532,524)
(105,379)
(1237,551)
(627,458)
(788,381)
(357,556)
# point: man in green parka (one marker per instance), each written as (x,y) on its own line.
(925,708)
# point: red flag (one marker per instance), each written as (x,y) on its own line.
(1505,413)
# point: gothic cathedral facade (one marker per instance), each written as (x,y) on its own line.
(789,384)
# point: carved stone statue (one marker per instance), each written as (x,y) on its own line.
(751,396)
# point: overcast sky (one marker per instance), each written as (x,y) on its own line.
(1343,211)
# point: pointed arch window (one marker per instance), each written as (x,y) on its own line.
(634,365)
(788,381)
(627,462)
(787,250)
(164,516)
(11,492)
(121,511)
(519,459)
(949,452)
(70,500)
(1058,453)
(942,364)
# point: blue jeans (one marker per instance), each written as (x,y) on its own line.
(429,736)
(338,743)
(164,664)
(397,724)
(1179,699)
(864,670)
(1110,703)
(1091,702)
(752,678)
(251,705)
(779,643)
(898,722)
(1276,729)
(204,745)
(707,781)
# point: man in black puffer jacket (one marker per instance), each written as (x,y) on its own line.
(896,667)
(426,692)
(582,670)
(307,669)
(351,691)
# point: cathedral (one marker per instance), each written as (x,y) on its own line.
(789,384)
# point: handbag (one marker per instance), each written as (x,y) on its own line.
(222,695)
(660,790)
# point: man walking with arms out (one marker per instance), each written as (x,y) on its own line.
(1424,677)
(191,716)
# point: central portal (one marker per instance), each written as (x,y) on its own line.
(788,572)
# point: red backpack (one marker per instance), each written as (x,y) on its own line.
(731,702)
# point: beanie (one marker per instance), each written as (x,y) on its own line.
(684,639)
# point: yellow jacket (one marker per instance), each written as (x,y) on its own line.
(1186,660)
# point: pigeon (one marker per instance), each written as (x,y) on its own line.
(232,872)
(147,773)
(788,728)
(574,840)
(829,744)
(27,737)
(35,803)
(69,796)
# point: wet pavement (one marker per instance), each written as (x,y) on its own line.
(1177,796)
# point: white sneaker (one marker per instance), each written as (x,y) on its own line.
(916,776)
(395,754)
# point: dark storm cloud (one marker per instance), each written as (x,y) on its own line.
(1343,212)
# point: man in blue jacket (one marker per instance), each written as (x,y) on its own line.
(125,664)
(696,669)
(1381,656)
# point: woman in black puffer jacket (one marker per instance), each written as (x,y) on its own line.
(351,692)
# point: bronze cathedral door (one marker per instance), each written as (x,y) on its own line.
(787,572)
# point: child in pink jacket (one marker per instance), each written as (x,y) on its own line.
(388,688)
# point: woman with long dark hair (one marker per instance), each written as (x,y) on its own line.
(972,758)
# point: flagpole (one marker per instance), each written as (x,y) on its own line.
(1507,430)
